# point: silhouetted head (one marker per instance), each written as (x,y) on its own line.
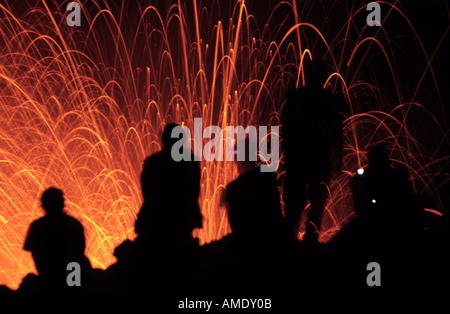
(378,155)
(315,72)
(166,138)
(248,149)
(52,201)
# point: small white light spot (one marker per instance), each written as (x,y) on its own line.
(374,201)
(360,171)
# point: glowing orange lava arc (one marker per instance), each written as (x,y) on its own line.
(81,107)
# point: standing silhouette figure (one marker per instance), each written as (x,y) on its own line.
(54,241)
(312,142)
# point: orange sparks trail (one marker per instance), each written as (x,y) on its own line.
(81,107)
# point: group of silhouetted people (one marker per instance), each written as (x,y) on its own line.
(262,253)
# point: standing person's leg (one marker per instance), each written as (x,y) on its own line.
(294,196)
(318,196)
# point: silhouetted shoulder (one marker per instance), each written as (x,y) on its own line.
(35,228)
(253,180)
(52,229)
(153,159)
(74,225)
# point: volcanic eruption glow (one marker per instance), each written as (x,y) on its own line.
(81,107)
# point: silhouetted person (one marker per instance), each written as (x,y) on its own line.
(386,229)
(249,259)
(171,190)
(312,142)
(386,192)
(54,241)
(165,248)
(253,202)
